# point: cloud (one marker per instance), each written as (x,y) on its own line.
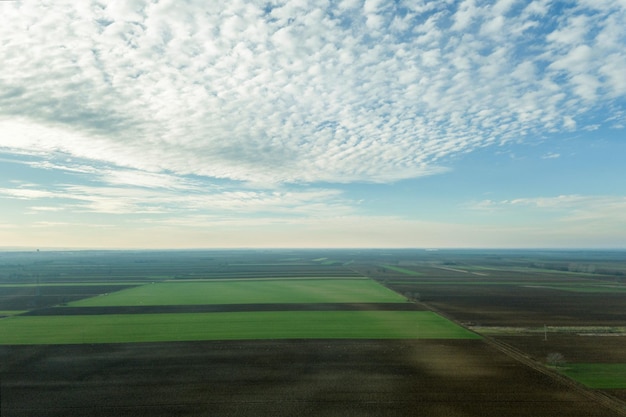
(138,199)
(37,209)
(587,210)
(299,92)
(25,193)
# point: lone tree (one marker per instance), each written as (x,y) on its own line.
(555,359)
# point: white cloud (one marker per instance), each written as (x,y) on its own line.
(297,92)
(45,208)
(586,210)
(25,193)
(143,198)
(569,123)
(466,12)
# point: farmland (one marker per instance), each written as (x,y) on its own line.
(118,328)
(238,291)
(598,375)
(311,332)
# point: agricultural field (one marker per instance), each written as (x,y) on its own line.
(598,375)
(310,333)
(532,303)
(249,291)
(120,328)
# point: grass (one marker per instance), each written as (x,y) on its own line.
(248,291)
(598,375)
(513,330)
(271,264)
(579,288)
(120,328)
(584,288)
(11,312)
(75,284)
(402,270)
(433,282)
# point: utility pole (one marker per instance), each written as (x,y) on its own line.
(545,333)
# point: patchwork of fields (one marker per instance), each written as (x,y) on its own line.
(113,324)
(249,291)
(307,333)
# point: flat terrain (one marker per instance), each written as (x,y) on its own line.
(317,333)
(302,290)
(536,303)
(116,328)
(382,378)
(30,296)
(598,375)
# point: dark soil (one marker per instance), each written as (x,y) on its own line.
(26,298)
(221,308)
(574,348)
(436,378)
(528,306)
(515,306)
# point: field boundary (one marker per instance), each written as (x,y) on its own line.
(220,308)
(606,400)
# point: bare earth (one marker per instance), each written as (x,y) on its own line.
(281,378)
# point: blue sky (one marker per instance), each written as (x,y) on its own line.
(169,124)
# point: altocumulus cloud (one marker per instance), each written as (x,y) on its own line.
(302,92)
(610,210)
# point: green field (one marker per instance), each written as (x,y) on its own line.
(579,288)
(121,328)
(11,312)
(402,270)
(598,375)
(585,288)
(248,292)
(73,284)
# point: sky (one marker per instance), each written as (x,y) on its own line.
(285,124)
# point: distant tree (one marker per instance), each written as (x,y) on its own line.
(555,359)
(412,296)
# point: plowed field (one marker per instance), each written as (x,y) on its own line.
(435,378)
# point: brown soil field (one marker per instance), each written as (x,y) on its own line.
(25,298)
(618,393)
(436,378)
(515,306)
(574,348)
(222,308)
(519,306)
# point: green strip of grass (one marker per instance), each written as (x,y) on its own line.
(581,288)
(11,312)
(433,282)
(74,284)
(468,282)
(273,264)
(246,292)
(229,326)
(598,375)
(585,288)
(402,270)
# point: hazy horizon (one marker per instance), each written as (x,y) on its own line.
(33,249)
